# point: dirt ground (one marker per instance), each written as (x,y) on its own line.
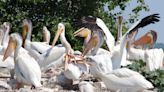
(50,83)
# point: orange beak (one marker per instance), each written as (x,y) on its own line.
(24,33)
(59,31)
(82,32)
(10,48)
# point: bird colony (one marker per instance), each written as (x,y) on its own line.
(27,66)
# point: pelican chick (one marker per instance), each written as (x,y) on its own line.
(26,68)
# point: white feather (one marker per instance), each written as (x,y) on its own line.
(110,41)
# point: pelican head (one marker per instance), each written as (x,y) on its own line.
(7,25)
(46,34)
(2,28)
(60,32)
(27,26)
(14,41)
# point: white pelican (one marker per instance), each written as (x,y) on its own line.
(5,29)
(69,51)
(4,38)
(46,35)
(49,54)
(98,36)
(72,71)
(116,51)
(152,57)
(27,69)
(119,51)
(123,79)
(26,34)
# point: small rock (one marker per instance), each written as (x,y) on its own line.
(100,85)
(4,85)
(62,80)
(86,87)
(24,90)
(56,89)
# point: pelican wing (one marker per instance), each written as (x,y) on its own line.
(27,69)
(40,46)
(88,22)
(151,19)
(109,38)
(54,54)
(124,72)
(133,83)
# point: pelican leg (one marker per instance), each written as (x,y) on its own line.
(32,87)
(18,85)
(71,56)
(66,62)
(12,73)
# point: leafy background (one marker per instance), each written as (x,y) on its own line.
(50,12)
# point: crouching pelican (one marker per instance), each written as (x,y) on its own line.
(122,80)
(26,68)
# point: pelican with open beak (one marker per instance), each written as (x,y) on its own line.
(118,52)
(98,27)
(85,33)
(26,68)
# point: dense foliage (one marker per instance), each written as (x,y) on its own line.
(50,12)
(155,77)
